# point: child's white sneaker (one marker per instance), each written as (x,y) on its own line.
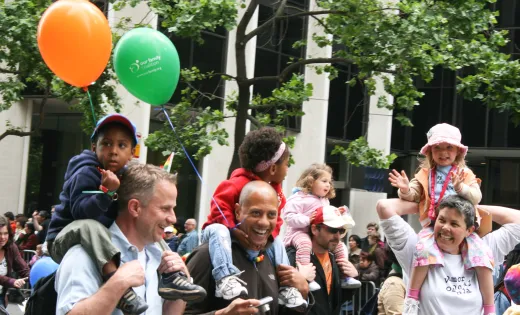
(411,306)
(231,287)
(350,283)
(292,298)
(314,286)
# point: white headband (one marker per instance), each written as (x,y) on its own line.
(262,166)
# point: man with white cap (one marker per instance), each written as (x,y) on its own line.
(171,238)
(327,229)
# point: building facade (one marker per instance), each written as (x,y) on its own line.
(336,114)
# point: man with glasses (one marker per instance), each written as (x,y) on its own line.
(190,240)
(325,231)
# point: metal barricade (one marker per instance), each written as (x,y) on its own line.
(360,297)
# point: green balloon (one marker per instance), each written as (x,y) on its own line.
(147,64)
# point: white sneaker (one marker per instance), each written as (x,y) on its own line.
(314,286)
(292,298)
(230,287)
(411,306)
(350,283)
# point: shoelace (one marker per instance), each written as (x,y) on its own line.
(291,293)
(235,279)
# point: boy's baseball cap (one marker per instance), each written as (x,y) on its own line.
(330,216)
(117,118)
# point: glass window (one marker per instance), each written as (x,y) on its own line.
(505,176)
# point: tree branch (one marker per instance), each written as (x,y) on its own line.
(278,15)
(267,106)
(254,121)
(242,25)
(336,12)
(283,74)
(3,70)
(21,133)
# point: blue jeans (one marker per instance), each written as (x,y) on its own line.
(277,253)
(219,239)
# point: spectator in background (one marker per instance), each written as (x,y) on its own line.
(9,215)
(38,255)
(390,300)
(354,243)
(190,240)
(502,297)
(41,221)
(20,228)
(170,237)
(28,240)
(376,249)
(371,228)
(367,268)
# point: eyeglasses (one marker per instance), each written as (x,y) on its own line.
(332,230)
(168,232)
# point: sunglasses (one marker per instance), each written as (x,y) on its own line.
(168,232)
(332,230)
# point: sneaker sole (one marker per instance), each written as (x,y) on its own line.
(298,308)
(188,296)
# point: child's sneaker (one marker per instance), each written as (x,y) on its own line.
(231,287)
(411,306)
(131,303)
(314,286)
(292,298)
(350,283)
(176,286)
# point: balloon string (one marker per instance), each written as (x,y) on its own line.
(191,162)
(91,105)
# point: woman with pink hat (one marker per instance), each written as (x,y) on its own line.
(443,172)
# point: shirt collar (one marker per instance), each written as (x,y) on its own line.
(128,251)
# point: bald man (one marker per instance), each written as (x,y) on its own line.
(258,211)
(190,240)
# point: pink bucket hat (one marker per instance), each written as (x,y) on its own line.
(444,133)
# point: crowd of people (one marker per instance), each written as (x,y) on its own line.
(116,238)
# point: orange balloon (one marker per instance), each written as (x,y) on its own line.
(75,41)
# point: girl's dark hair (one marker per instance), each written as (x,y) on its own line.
(512,259)
(5,222)
(30,225)
(260,145)
(9,215)
(356,239)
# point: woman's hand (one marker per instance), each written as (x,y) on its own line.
(399,180)
(19,283)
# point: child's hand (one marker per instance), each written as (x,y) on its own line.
(242,237)
(457,179)
(109,180)
(312,217)
(399,180)
(308,271)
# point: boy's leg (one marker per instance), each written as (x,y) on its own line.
(288,296)
(228,284)
(96,240)
(177,286)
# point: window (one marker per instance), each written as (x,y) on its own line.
(346,114)
(274,49)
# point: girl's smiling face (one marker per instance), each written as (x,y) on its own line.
(444,154)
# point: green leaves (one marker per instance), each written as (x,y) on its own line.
(358,153)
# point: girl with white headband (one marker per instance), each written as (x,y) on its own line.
(263,156)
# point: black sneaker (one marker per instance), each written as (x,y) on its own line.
(131,303)
(175,286)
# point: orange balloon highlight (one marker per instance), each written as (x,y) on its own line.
(75,41)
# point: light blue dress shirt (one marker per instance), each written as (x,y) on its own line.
(77,277)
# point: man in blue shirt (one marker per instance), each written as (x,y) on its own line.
(190,240)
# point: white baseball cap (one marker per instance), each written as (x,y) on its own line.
(168,229)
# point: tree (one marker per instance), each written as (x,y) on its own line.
(405,39)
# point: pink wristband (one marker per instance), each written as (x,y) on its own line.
(489,309)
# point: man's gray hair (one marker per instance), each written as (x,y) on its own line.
(463,206)
(139,182)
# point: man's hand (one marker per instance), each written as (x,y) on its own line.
(239,306)
(172,262)
(347,268)
(308,271)
(130,274)
(19,283)
(290,277)
(109,180)
(399,180)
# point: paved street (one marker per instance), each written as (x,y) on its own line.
(15,309)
